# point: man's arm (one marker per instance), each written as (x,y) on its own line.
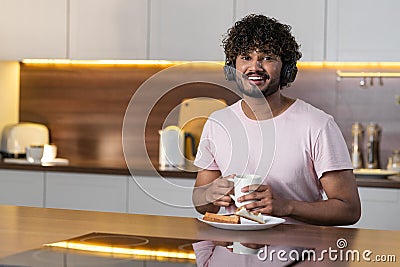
(341,208)
(211,191)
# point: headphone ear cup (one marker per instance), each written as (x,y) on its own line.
(288,73)
(230,72)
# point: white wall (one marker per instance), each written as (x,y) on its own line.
(9,93)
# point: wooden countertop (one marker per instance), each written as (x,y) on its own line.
(119,168)
(24,228)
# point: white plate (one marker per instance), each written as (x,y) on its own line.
(53,162)
(374,173)
(247,224)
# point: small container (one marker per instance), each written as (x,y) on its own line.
(34,153)
(394,161)
(357,132)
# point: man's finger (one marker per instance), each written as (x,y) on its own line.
(255,187)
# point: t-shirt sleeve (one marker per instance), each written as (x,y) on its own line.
(206,151)
(330,150)
(203,251)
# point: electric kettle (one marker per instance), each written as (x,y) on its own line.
(172,146)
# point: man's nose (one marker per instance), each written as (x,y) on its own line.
(256,65)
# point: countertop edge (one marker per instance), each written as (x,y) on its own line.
(361,182)
(380,183)
(98,170)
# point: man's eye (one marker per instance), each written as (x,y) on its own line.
(267,58)
(245,58)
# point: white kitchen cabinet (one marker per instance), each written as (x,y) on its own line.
(380,208)
(189,30)
(108,29)
(363,30)
(81,191)
(161,196)
(33,29)
(21,188)
(306,17)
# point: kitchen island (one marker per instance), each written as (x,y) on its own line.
(27,228)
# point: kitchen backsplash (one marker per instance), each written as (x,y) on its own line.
(84,106)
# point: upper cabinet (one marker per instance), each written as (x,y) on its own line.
(189,30)
(363,30)
(33,29)
(108,29)
(306,17)
(334,30)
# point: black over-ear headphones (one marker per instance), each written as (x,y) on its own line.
(288,72)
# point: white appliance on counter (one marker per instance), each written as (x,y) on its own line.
(16,137)
(172,146)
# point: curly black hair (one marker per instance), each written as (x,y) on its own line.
(263,33)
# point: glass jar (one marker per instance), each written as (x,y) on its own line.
(394,161)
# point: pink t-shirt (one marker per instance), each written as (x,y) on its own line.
(291,151)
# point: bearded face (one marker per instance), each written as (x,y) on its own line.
(258,73)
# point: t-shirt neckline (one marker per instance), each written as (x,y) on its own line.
(239,106)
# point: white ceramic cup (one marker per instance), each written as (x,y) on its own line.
(34,153)
(49,153)
(241,181)
(238,248)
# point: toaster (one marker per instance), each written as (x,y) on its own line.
(16,137)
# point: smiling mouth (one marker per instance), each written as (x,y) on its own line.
(256,77)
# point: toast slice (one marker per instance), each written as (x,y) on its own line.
(212,217)
(243,212)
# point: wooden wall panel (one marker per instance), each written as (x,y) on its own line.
(84,107)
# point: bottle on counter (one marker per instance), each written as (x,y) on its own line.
(357,133)
(373,146)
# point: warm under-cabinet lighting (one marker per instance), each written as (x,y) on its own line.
(99,62)
(124,251)
(300,64)
(347,65)
(342,74)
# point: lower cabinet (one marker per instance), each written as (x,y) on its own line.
(86,191)
(161,196)
(21,188)
(151,195)
(98,192)
(380,208)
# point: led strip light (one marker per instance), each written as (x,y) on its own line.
(124,251)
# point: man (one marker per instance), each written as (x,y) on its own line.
(297,148)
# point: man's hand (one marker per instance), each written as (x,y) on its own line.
(218,192)
(265,201)
(211,191)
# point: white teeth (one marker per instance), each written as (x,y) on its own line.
(255,78)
